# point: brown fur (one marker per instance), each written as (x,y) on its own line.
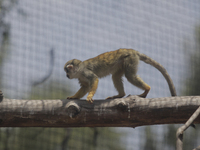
(118,63)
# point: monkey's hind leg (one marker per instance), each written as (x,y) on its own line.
(137,81)
(117,80)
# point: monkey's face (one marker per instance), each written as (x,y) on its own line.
(71,68)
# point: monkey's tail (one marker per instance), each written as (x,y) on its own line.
(158,66)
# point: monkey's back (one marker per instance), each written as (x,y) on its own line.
(110,62)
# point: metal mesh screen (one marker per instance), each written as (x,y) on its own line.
(38,37)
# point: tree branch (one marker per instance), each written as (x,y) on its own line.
(132,111)
(198,148)
(179,133)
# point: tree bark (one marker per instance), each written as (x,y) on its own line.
(132,111)
(179,133)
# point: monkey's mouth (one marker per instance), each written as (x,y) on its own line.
(67,76)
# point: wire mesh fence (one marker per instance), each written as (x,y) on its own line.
(38,37)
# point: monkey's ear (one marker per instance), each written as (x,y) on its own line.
(70,66)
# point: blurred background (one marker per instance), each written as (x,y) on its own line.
(38,37)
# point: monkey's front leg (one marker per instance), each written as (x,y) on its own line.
(92,90)
(81,92)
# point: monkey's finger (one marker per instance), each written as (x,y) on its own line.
(109,98)
(70,97)
(90,100)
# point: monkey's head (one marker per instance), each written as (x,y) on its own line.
(71,68)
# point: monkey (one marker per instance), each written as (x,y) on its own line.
(118,63)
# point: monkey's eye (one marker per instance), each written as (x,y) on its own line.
(66,70)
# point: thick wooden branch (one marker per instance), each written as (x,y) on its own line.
(132,111)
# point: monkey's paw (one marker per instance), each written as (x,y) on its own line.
(71,97)
(116,96)
(110,97)
(89,100)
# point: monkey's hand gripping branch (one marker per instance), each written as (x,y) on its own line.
(93,89)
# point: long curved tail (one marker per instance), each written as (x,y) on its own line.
(158,66)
